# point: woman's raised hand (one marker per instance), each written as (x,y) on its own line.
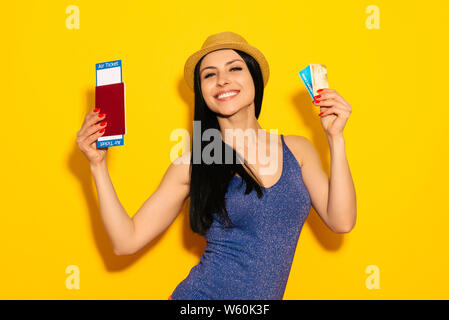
(93,127)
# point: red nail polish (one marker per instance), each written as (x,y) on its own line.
(102,115)
(314,101)
(102,130)
(319,90)
(320,113)
(317,97)
(97,109)
(103,123)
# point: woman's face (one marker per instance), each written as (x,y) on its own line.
(219,76)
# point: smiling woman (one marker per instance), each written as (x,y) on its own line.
(251,236)
(215,113)
(217,95)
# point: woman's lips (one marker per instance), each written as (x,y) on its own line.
(228,98)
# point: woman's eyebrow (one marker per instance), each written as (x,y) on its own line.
(212,67)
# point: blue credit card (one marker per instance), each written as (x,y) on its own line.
(306,77)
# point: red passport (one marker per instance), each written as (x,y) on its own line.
(110,99)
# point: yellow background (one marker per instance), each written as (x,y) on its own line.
(395,79)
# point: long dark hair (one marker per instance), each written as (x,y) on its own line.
(209,182)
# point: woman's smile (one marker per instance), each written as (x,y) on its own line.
(227,96)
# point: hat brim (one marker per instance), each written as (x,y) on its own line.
(189,67)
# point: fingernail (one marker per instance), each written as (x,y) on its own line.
(103,123)
(102,115)
(319,90)
(102,130)
(97,109)
(320,113)
(317,97)
(314,101)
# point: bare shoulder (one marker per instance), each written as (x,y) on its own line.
(299,146)
(180,167)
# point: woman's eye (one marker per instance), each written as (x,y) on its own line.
(207,76)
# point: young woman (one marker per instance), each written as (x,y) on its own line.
(251,220)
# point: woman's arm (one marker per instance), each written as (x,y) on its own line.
(342,206)
(335,112)
(333,200)
(162,207)
(128,235)
(119,225)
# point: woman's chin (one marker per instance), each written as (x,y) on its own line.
(227,112)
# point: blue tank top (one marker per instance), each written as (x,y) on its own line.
(252,259)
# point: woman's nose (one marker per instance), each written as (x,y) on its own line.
(222,79)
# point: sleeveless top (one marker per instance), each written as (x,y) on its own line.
(252,259)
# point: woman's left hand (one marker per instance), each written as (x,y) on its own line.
(335,109)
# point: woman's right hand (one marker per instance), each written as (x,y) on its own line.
(89,133)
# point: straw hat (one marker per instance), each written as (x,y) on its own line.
(224,40)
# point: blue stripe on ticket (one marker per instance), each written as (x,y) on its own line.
(306,77)
(109,64)
(111,142)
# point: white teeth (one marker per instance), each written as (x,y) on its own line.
(227,95)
